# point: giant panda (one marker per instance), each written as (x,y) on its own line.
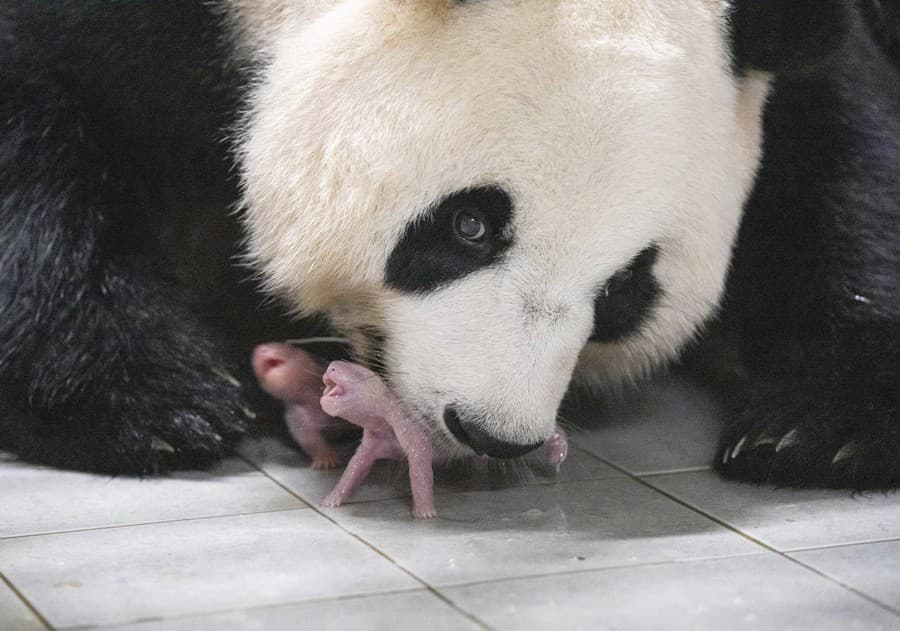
(491,199)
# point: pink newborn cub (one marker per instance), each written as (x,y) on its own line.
(358,395)
(293,376)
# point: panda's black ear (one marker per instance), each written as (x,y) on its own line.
(786,35)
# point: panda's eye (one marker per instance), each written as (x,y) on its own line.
(469,225)
(460,234)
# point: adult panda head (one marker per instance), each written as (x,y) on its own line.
(485,195)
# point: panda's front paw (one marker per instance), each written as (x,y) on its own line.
(192,421)
(184,419)
(795,436)
(176,403)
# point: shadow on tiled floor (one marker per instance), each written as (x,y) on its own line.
(634,533)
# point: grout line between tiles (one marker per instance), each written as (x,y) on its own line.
(656,474)
(831,579)
(534,481)
(219,612)
(609,568)
(841,545)
(588,449)
(751,538)
(635,477)
(34,610)
(381,553)
(849,588)
(149,523)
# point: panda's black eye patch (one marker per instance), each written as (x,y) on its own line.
(463,233)
(626,300)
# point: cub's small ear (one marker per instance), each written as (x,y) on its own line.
(784,36)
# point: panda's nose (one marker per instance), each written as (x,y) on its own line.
(470,433)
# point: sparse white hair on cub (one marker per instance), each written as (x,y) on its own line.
(612,126)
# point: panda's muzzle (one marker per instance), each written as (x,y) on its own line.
(469,433)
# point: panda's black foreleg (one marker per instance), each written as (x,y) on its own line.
(814,292)
(821,342)
(103,365)
(815,286)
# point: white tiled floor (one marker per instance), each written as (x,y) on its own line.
(634,533)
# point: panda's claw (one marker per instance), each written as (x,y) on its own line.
(848,451)
(739,447)
(788,440)
(160,444)
(764,439)
(789,437)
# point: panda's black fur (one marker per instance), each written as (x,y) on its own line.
(815,289)
(116,292)
(115,285)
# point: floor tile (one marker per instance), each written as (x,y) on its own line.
(495,475)
(539,529)
(38,499)
(391,480)
(667,425)
(788,519)
(14,615)
(758,593)
(408,611)
(292,469)
(871,568)
(189,567)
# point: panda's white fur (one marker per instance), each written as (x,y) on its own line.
(613,126)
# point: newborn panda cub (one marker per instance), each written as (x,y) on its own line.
(356,394)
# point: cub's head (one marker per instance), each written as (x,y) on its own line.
(481,193)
